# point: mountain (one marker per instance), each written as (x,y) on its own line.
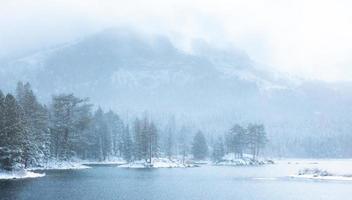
(212,87)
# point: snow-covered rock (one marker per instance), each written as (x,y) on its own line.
(157,163)
(232,160)
(19,174)
(319,174)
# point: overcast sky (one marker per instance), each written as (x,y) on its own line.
(309,38)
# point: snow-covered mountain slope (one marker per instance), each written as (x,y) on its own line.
(116,62)
(126,71)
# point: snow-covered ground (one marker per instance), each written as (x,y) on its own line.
(157,163)
(232,160)
(77,164)
(52,165)
(56,165)
(19,174)
(60,165)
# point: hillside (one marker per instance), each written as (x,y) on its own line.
(210,87)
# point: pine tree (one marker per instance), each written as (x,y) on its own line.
(65,117)
(102,134)
(2,117)
(14,131)
(4,138)
(153,141)
(44,136)
(36,121)
(82,119)
(256,138)
(236,140)
(182,143)
(137,148)
(218,150)
(145,140)
(127,150)
(169,147)
(170,144)
(116,130)
(93,142)
(199,146)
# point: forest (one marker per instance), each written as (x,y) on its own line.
(32,134)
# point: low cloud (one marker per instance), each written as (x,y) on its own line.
(308,38)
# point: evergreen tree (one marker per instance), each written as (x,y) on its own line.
(2,117)
(153,141)
(236,140)
(4,138)
(170,144)
(169,147)
(82,119)
(256,138)
(116,130)
(218,150)
(199,146)
(14,132)
(93,150)
(137,149)
(145,140)
(65,117)
(127,150)
(182,143)
(102,134)
(36,121)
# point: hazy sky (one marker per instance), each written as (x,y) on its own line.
(310,38)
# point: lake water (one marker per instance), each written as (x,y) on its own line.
(269,182)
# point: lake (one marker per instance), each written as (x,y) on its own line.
(270,182)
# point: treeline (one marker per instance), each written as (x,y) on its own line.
(337,145)
(32,134)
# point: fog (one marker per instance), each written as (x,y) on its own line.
(208,99)
(209,64)
(309,39)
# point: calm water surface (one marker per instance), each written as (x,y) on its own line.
(203,183)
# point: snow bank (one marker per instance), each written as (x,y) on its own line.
(60,165)
(76,164)
(157,163)
(19,174)
(232,160)
(319,174)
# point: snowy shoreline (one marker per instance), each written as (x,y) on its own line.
(55,165)
(32,172)
(322,170)
(246,160)
(21,174)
